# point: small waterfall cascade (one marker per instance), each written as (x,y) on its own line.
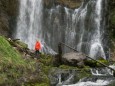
(67,80)
(102,71)
(82,28)
(101,77)
(59,77)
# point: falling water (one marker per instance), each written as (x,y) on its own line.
(86,24)
(29,22)
(96,43)
(82,28)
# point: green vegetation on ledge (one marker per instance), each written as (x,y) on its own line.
(14,70)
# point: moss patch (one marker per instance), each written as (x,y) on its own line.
(92,63)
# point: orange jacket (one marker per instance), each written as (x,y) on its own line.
(37,45)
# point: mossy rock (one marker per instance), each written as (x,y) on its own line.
(93,63)
(90,63)
(113,18)
(102,61)
(67,67)
(21,44)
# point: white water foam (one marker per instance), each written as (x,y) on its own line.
(90,83)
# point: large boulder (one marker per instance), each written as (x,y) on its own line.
(74,58)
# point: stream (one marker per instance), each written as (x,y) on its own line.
(100,77)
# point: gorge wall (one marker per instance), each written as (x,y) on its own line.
(8,14)
(112,27)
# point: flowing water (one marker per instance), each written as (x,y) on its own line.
(82,28)
(70,77)
(100,77)
(29,24)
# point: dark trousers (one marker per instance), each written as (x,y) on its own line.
(37,53)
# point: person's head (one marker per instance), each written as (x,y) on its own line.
(37,40)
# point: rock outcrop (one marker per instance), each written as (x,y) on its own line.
(112,27)
(8,14)
(74,58)
(67,3)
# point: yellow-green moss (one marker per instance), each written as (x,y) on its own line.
(93,63)
(67,67)
(23,45)
(8,54)
(46,59)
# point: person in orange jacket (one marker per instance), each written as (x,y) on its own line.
(37,48)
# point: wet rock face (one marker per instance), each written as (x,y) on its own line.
(112,16)
(70,3)
(112,26)
(4,24)
(8,14)
(67,3)
(3,21)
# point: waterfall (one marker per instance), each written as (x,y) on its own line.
(89,26)
(96,43)
(29,23)
(82,28)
